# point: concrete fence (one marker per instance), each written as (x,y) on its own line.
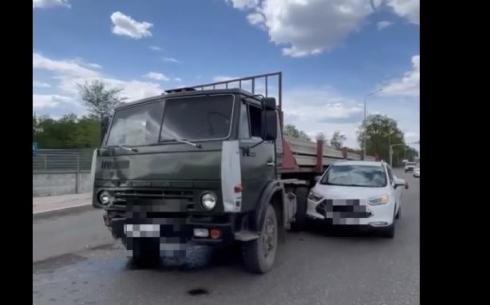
(61,171)
(52,183)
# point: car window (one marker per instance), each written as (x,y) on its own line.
(355,175)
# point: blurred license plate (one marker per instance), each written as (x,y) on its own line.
(143,230)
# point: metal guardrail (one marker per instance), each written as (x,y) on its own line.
(62,160)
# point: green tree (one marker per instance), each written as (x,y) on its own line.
(100,100)
(380,132)
(292,131)
(68,132)
(337,140)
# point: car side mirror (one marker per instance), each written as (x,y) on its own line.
(317,178)
(400,182)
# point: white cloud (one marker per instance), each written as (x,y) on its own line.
(307,27)
(38,84)
(156,76)
(408,85)
(242,4)
(69,74)
(126,26)
(50,3)
(409,9)
(170,59)
(72,67)
(155,48)
(256,18)
(178,79)
(322,109)
(383,24)
(49,100)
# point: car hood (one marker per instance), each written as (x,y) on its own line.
(348,192)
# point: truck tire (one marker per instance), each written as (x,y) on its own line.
(301,202)
(146,251)
(259,255)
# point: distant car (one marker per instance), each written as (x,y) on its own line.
(364,193)
(410,166)
(416,172)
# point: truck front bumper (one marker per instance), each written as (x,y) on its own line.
(174,230)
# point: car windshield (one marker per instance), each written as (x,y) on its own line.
(197,118)
(355,175)
(138,125)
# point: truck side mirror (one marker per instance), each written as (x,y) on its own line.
(104,126)
(269,125)
(269,103)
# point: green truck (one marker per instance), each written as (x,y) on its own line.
(204,165)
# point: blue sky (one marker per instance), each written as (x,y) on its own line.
(331,52)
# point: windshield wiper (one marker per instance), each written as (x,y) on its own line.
(196,145)
(126,148)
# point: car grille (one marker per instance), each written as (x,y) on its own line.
(351,210)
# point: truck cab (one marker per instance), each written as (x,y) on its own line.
(195,167)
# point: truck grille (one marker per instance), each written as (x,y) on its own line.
(122,195)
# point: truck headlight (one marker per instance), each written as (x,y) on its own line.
(383,199)
(208,200)
(104,197)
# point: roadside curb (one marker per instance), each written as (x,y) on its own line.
(62,211)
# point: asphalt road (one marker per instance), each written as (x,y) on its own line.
(312,267)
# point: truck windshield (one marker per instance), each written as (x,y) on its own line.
(197,118)
(138,125)
(355,175)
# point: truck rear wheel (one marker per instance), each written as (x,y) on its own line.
(259,255)
(301,206)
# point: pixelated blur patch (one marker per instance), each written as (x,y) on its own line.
(198,291)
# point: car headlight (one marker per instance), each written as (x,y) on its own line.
(105,197)
(314,196)
(208,200)
(383,199)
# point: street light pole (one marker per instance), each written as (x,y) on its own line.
(391,152)
(364,122)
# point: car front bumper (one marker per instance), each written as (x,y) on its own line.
(351,212)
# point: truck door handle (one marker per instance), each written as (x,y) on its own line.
(271,163)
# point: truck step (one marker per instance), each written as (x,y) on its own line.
(246,236)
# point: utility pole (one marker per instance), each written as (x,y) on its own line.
(364,122)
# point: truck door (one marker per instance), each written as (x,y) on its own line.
(256,157)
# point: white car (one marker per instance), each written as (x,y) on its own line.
(364,193)
(410,166)
(416,172)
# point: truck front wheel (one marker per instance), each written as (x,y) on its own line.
(259,255)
